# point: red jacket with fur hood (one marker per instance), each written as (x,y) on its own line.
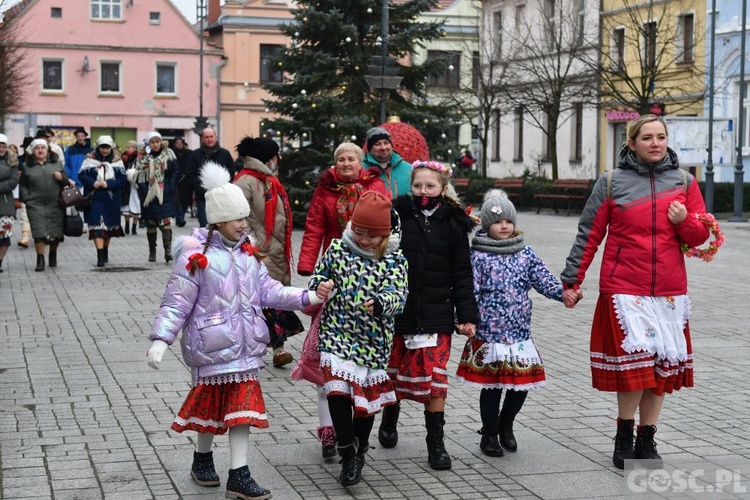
(330,209)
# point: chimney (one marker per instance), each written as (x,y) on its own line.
(214,11)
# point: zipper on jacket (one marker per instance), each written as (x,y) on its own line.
(653,233)
(617,261)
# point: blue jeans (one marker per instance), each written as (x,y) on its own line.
(201,204)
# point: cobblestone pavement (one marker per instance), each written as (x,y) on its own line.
(83,416)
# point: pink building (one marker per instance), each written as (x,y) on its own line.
(117,67)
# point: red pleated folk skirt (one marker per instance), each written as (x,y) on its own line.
(420,374)
(616,370)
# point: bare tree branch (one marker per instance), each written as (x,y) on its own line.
(14,76)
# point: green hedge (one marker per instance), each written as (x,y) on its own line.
(724,197)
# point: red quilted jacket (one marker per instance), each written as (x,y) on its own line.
(324,222)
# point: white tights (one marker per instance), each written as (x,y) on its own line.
(238,444)
(324,413)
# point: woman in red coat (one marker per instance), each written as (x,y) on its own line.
(338,191)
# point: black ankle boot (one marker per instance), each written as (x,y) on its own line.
(135,227)
(438,457)
(52,258)
(351,472)
(1,265)
(505,432)
(388,431)
(151,246)
(99,257)
(489,444)
(362,454)
(241,485)
(39,263)
(106,255)
(645,446)
(127,227)
(623,443)
(166,238)
(203,471)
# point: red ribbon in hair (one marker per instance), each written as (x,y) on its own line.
(202,261)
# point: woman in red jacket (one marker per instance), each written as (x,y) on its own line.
(640,337)
(339,188)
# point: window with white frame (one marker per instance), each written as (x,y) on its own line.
(686,37)
(617,54)
(52,75)
(649,44)
(576,132)
(518,134)
(166,79)
(270,72)
(154,17)
(106,9)
(580,11)
(450,78)
(110,82)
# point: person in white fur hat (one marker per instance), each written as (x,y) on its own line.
(214,296)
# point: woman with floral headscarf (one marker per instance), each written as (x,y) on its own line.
(102,175)
(156,173)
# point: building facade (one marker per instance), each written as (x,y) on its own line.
(114,67)
(518,142)
(653,52)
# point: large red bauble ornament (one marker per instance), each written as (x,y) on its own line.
(407,141)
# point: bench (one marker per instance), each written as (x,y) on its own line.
(513,187)
(569,190)
(461,185)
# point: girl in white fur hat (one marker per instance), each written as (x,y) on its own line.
(214,296)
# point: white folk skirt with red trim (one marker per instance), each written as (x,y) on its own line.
(420,374)
(617,370)
(217,403)
(370,390)
(490,365)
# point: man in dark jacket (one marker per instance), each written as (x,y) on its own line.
(209,151)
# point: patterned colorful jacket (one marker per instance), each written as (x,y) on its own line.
(346,329)
(642,254)
(501,286)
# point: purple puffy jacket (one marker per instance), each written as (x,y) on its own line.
(219,308)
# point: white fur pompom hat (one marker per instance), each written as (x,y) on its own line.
(496,207)
(224,201)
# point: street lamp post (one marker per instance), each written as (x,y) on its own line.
(738,173)
(710,159)
(382,72)
(201,122)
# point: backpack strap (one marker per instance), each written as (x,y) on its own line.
(684,179)
(609,184)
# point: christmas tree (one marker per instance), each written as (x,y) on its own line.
(325,99)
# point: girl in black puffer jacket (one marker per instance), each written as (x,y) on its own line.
(441,299)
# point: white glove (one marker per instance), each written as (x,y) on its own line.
(314,300)
(155,354)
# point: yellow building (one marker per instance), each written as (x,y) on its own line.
(652,60)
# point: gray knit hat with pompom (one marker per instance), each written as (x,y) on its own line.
(496,207)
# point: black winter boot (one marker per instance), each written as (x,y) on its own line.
(151,246)
(351,471)
(1,265)
(505,431)
(39,262)
(623,443)
(362,454)
(203,471)
(388,431)
(241,485)
(52,258)
(99,257)
(489,443)
(135,227)
(645,446)
(166,238)
(127,227)
(106,255)
(438,457)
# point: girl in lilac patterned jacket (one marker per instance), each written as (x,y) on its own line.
(214,296)
(502,355)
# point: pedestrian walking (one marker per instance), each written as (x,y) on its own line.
(42,177)
(214,295)
(155,173)
(369,275)
(102,175)
(270,220)
(502,354)
(338,190)
(640,338)
(209,150)
(131,204)
(8,182)
(436,244)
